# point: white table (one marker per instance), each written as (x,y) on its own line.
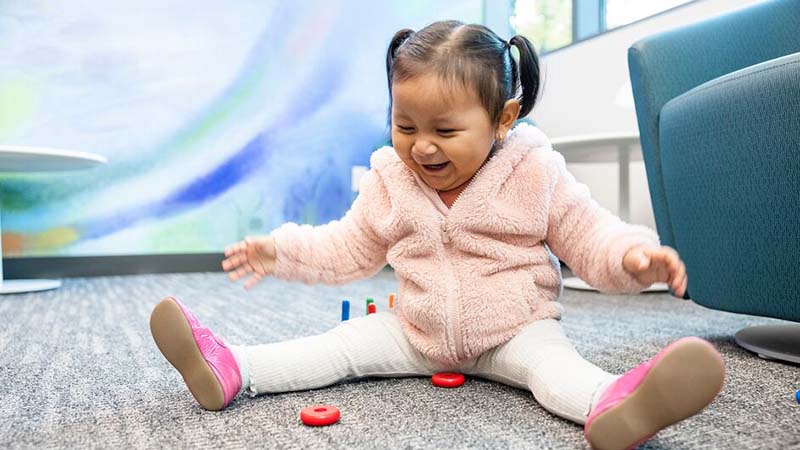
(38,159)
(604,148)
(577,284)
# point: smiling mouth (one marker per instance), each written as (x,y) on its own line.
(435,167)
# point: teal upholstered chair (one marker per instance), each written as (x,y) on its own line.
(718,105)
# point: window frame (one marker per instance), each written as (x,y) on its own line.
(588,19)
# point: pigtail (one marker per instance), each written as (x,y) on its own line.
(396,42)
(528,73)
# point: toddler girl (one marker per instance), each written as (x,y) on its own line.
(473,216)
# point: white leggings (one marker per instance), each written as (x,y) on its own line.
(539,358)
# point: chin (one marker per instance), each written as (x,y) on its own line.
(437,184)
(424,177)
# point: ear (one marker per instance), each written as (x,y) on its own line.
(508,116)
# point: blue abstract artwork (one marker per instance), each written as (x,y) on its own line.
(218,119)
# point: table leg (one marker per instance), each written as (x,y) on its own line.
(624,159)
(17,286)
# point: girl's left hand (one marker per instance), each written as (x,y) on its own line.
(649,264)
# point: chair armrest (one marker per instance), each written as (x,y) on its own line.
(668,64)
(730,159)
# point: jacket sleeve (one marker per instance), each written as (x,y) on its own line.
(335,253)
(588,238)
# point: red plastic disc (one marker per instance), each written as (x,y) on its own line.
(447,379)
(320,415)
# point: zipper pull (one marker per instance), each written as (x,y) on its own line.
(445,236)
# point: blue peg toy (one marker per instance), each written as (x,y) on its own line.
(345,310)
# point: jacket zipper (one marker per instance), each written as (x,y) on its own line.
(445,235)
(454,304)
(454,311)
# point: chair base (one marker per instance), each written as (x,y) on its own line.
(778,342)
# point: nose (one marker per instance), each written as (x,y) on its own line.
(424,149)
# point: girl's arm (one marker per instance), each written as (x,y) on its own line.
(340,251)
(591,240)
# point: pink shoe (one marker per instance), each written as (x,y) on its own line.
(207,365)
(677,383)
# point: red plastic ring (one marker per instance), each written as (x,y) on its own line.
(447,379)
(320,415)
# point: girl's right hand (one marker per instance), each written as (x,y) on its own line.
(254,256)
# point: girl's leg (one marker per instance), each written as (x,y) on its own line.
(540,358)
(681,380)
(372,345)
(619,411)
(206,364)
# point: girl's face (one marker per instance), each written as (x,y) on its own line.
(444,140)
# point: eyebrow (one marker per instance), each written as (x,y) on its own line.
(438,119)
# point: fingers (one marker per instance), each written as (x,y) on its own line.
(678,281)
(253,256)
(238,273)
(636,260)
(671,269)
(642,260)
(683,283)
(247,269)
(228,264)
(235,248)
(234,261)
(235,256)
(252,281)
(239,260)
(662,259)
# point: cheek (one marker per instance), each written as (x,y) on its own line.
(470,147)
(402,145)
(401,142)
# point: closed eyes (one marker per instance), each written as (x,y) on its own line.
(444,131)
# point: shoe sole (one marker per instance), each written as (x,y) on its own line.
(679,385)
(174,338)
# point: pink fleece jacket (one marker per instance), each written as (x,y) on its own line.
(470,277)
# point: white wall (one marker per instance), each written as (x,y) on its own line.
(587,90)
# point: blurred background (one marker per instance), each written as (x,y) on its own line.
(221,120)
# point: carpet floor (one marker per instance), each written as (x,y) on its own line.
(80,370)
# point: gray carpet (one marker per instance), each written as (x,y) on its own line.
(79,370)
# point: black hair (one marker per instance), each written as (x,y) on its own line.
(472,55)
